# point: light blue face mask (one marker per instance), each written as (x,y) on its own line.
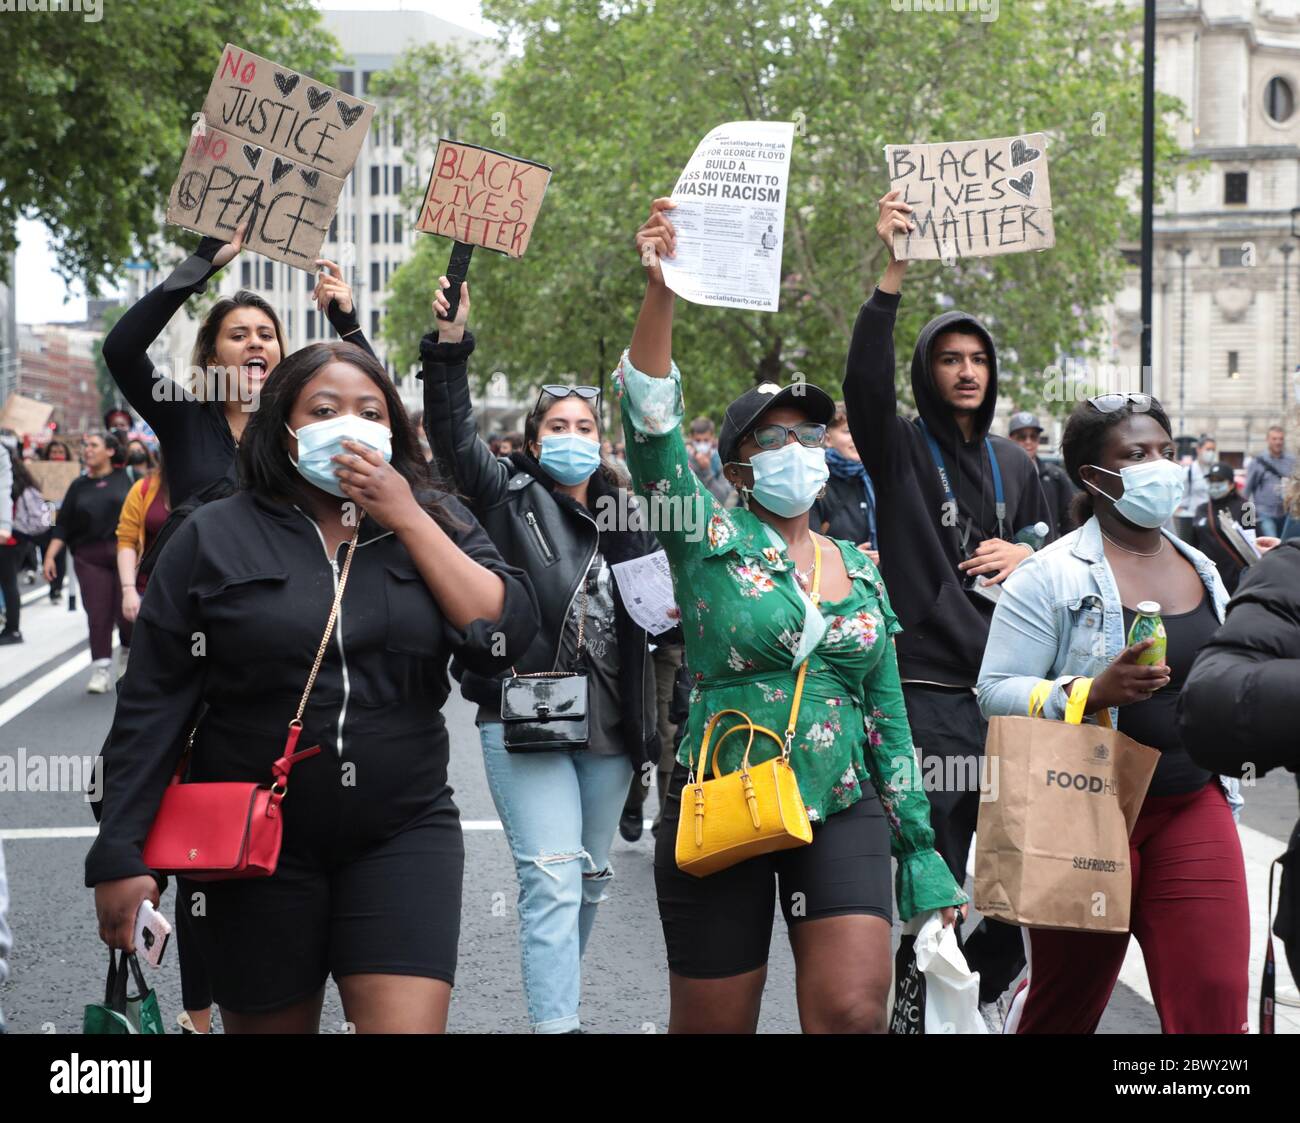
(1152,492)
(569,458)
(787,479)
(321,440)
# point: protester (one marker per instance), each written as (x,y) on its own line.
(560,808)
(1265,481)
(705,462)
(143,514)
(87,525)
(1064,616)
(958,511)
(56,450)
(238,346)
(744,589)
(368,884)
(847,509)
(510,443)
(138,461)
(30,521)
(1208,535)
(1057,489)
(1195,492)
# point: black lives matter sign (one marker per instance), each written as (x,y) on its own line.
(973,198)
(272,148)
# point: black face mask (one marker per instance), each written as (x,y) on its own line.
(136,458)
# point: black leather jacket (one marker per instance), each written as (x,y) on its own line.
(542,531)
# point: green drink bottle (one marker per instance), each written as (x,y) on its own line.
(1146,625)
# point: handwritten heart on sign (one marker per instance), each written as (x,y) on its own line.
(252,154)
(311,178)
(286,83)
(280,169)
(349,113)
(1024,185)
(1021,153)
(316,98)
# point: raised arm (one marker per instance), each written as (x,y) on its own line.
(869,396)
(333,298)
(461,455)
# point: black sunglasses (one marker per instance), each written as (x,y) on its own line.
(1109,403)
(586,393)
(810,434)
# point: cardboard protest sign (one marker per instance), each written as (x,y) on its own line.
(24,415)
(483,198)
(973,198)
(53,477)
(272,147)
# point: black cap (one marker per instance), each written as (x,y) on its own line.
(744,412)
(1221,473)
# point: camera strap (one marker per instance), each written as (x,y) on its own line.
(999,499)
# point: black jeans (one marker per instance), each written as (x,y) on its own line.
(9,585)
(949,731)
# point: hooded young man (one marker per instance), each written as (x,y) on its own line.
(951,500)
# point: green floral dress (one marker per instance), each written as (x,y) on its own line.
(743,617)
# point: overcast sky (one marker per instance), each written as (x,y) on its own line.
(42,297)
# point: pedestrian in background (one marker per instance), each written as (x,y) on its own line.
(1265,483)
(143,515)
(1057,489)
(705,462)
(87,526)
(847,507)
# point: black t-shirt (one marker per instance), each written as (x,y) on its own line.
(1155,721)
(600,657)
(91,509)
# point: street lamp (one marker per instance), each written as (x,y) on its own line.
(1183,251)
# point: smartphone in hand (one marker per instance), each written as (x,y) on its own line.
(152,932)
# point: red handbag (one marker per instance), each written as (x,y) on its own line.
(224,831)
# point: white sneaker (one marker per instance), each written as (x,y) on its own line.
(995,1014)
(100,681)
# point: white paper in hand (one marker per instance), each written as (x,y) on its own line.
(730,217)
(646,585)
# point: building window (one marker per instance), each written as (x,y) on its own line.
(1279,100)
(344,80)
(374,323)
(1131,257)
(366,75)
(385,227)
(1230,257)
(397,228)
(268,274)
(310,280)
(374,276)
(397,179)
(374,179)
(1234,187)
(1234,369)
(387,266)
(311,323)
(374,228)
(245,273)
(334,228)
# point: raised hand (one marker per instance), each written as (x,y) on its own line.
(895,218)
(451,331)
(330,285)
(657,238)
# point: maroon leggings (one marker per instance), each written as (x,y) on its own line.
(1189,915)
(101,593)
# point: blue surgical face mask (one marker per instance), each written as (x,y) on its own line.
(321,440)
(1152,492)
(787,479)
(569,458)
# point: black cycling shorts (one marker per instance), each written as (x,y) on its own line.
(392,908)
(721,925)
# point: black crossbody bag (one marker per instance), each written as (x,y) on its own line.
(547,711)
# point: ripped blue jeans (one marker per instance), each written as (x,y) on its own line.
(559,811)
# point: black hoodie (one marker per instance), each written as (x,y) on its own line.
(945,626)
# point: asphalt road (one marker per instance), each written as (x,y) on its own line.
(58,963)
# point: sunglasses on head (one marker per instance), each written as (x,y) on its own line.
(1109,403)
(810,434)
(586,393)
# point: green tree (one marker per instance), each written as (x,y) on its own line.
(97,114)
(616,96)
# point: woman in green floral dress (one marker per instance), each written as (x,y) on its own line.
(742,579)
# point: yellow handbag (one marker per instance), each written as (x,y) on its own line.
(750,811)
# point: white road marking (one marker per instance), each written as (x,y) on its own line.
(51,680)
(15,834)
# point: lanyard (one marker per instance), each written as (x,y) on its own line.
(999,500)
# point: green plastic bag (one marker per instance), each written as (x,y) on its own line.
(119,1013)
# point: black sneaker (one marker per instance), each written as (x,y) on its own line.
(56,598)
(11,637)
(630,825)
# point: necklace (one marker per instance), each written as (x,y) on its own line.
(804,576)
(1139,553)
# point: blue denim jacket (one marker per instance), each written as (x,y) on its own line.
(1060,617)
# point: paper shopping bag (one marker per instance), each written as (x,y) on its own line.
(1052,844)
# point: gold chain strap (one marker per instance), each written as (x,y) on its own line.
(329,624)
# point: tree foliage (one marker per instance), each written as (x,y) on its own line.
(615,95)
(97,114)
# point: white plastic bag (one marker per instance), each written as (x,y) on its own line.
(952,989)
